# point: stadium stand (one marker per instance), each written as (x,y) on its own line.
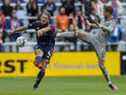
(20,12)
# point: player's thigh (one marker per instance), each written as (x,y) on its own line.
(101,52)
(48,55)
(39,53)
(46,59)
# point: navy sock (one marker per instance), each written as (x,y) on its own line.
(40,75)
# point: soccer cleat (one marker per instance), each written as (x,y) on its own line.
(35,86)
(113,87)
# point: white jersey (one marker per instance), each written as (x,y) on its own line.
(98,38)
(111,24)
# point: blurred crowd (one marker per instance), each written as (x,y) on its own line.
(15,13)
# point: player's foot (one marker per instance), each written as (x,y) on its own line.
(35,86)
(113,87)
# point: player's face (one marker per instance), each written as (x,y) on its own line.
(106,14)
(7,2)
(44,19)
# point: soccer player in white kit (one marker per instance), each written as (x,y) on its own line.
(98,40)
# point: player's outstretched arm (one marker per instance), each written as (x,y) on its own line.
(41,31)
(67,34)
(20,29)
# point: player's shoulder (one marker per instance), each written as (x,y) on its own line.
(36,22)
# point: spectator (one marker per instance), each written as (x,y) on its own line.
(15,22)
(50,7)
(64,2)
(20,13)
(41,1)
(117,8)
(69,6)
(2,25)
(80,19)
(7,8)
(87,8)
(117,33)
(105,1)
(1,42)
(9,25)
(2,20)
(32,9)
(99,8)
(15,1)
(62,20)
(0,1)
(72,21)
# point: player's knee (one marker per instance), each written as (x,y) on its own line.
(38,61)
(41,65)
(101,65)
(45,64)
(101,61)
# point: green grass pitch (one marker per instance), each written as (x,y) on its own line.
(61,86)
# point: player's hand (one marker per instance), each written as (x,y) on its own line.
(39,32)
(97,24)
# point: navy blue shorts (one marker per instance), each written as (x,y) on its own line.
(47,53)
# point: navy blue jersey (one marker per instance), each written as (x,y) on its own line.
(47,41)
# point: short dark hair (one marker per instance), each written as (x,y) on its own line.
(108,9)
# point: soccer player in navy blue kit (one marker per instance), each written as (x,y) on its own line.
(45,44)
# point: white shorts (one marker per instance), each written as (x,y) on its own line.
(98,41)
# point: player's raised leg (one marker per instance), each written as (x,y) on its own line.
(80,35)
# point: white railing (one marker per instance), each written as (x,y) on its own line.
(29,46)
(40,4)
(69,45)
